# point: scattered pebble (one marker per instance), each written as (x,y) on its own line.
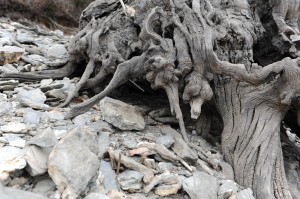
(14,127)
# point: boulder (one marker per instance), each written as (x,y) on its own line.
(10,54)
(6,108)
(165,140)
(130,180)
(245,194)
(38,150)
(45,187)
(73,162)
(10,193)
(14,127)
(32,98)
(166,190)
(57,51)
(201,185)
(109,177)
(121,115)
(11,160)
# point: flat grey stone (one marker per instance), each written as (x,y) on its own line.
(130,179)
(34,59)
(66,82)
(10,54)
(20,143)
(14,127)
(7,137)
(184,151)
(166,190)
(245,194)
(72,163)
(201,185)
(165,166)
(227,170)
(10,193)
(100,126)
(121,115)
(104,141)
(5,41)
(11,160)
(3,97)
(25,37)
(60,133)
(227,188)
(56,93)
(80,120)
(32,98)
(6,108)
(96,196)
(168,130)
(8,153)
(109,181)
(130,143)
(57,51)
(139,196)
(32,117)
(166,140)
(55,115)
(46,82)
(45,187)
(38,150)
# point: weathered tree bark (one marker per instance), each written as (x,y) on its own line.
(181,46)
(251,135)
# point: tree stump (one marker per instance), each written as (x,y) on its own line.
(196,51)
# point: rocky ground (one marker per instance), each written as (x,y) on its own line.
(116,150)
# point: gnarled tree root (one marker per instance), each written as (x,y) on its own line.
(60,73)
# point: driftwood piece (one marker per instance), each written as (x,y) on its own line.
(129,162)
(147,148)
(165,178)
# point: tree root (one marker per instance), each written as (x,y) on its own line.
(129,69)
(60,73)
(87,72)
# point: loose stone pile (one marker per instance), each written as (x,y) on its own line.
(115,150)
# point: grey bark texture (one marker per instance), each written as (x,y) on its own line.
(199,51)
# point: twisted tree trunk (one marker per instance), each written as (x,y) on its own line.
(251,135)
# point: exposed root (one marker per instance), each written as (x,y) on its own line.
(93,49)
(96,81)
(130,69)
(109,65)
(60,73)
(88,71)
(196,92)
